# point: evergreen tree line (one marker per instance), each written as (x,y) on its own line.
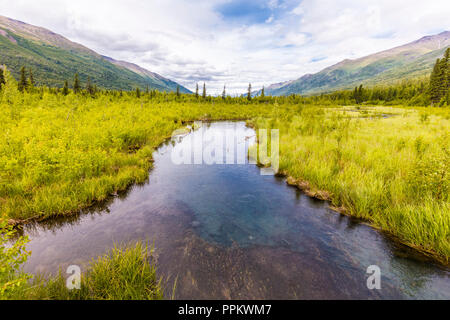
(26,81)
(419,92)
(440,80)
(408,92)
(2,78)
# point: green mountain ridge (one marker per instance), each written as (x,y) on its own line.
(410,61)
(54,59)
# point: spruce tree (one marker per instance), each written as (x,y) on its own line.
(447,55)
(2,78)
(204,91)
(249,92)
(23,80)
(445,70)
(138,93)
(196,91)
(434,82)
(442,78)
(90,87)
(65,90)
(178,91)
(31,83)
(76,84)
(262,93)
(224,93)
(361,94)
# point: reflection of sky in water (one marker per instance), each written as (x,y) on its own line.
(223,225)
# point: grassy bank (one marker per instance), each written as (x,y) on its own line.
(124,273)
(387,165)
(59,153)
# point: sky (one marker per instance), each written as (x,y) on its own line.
(235,42)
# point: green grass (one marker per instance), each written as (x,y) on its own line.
(59,154)
(124,273)
(393,172)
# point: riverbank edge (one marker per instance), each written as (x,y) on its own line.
(324,195)
(17,223)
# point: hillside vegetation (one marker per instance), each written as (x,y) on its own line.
(54,59)
(410,61)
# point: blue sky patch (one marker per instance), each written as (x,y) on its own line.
(316,59)
(245,11)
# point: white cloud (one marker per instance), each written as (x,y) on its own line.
(273,4)
(190,42)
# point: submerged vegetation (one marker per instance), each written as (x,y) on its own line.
(124,273)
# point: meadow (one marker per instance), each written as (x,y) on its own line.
(60,153)
(388,166)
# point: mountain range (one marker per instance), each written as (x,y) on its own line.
(54,59)
(409,61)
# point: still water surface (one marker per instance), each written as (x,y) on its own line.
(227,232)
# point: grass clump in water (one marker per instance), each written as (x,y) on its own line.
(124,273)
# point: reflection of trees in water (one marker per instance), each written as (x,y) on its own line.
(419,271)
(56,222)
(352,222)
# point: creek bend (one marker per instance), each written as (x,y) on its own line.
(228,232)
